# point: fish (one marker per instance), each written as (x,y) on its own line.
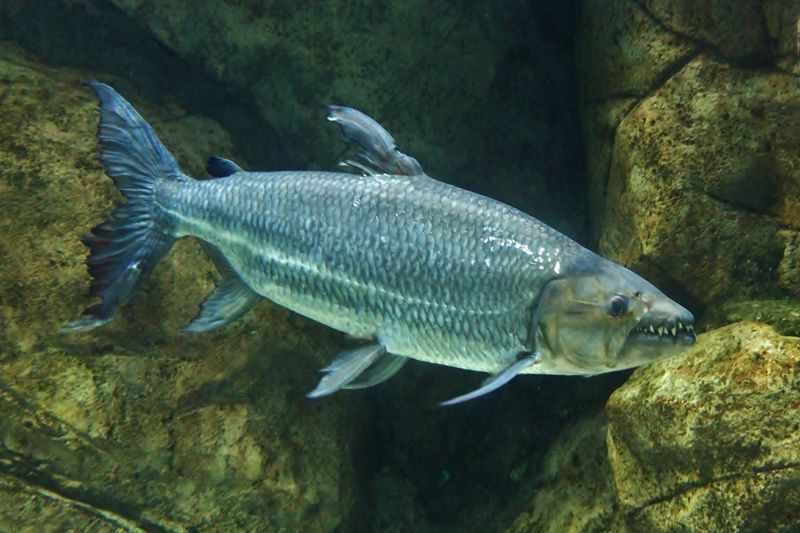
(407,266)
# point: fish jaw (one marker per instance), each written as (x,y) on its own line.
(602,318)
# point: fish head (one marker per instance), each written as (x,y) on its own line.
(606,318)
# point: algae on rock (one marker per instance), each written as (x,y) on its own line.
(135,425)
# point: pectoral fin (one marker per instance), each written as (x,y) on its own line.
(496,381)
(231,298)
(346,367)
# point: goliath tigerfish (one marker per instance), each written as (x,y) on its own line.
(411,267)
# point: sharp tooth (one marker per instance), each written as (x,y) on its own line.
(662,330)
(652,329)
(674,331)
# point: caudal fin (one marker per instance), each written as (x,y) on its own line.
(124,250)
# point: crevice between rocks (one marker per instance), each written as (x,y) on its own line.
(674,68)
(748,62)
(663,26)
(38,413)
(105,515)
(705,483)
(42,476)
(666,74)
(740,207)
(611,150)
(24,470)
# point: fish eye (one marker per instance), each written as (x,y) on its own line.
(618,305)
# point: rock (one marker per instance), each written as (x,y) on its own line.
(747,31)
(736,29)
(688,142)
(134,425)
(789,267)
(712,151)
(782,314)
(27,507)
(707,441)
(703,441)
(623,52)
(780,19)
(575,490)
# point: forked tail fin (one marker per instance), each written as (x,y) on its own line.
(124,250)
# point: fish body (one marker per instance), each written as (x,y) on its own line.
(413,267)
(429,270)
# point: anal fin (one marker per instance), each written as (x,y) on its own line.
(231,298)
(496,381)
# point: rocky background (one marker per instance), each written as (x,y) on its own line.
(684,114)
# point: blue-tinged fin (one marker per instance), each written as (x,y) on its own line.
(346,367)
(124,250)
(376,152)
(496,381)
(219,167)
(385,367)
(231,298)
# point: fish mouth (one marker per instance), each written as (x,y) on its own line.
(664,330)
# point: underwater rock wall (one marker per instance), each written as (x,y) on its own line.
(690,122)
(575,491)
(135,426)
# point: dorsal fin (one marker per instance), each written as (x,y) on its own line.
(376,150)
(219,167)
